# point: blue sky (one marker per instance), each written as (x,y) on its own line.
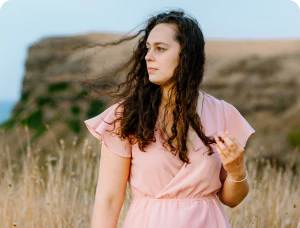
(23,23)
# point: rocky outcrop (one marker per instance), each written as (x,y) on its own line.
(261,79)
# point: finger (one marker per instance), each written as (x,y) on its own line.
(222,147)
(221,154)
(230,143)
(238,146)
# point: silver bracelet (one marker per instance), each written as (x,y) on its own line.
(237,180)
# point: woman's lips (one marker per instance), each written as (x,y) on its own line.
(151,69)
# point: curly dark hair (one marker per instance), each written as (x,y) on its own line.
(141,99)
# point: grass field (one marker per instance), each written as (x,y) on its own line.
(57,189)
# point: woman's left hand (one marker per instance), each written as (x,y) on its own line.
(231,153)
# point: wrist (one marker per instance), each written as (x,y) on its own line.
(237,175)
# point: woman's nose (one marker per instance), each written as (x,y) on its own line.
(149,56)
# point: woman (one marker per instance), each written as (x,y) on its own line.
(180,148)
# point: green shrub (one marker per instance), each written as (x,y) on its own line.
(294,138)
(57,87)
(82,94)
(19,111)
(96,107)
(75,109)
(25,95)
(34,120)
(39,132)
(41,101)
(75,125)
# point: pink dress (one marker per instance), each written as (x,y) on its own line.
(166,193)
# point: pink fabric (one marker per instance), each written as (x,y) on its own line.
(167,193)
(100,130)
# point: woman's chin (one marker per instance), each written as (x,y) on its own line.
(157,82)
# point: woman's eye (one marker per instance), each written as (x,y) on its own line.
(159,48)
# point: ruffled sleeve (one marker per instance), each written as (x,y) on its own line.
(236,124)
(103,131)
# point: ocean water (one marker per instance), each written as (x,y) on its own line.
(6,108)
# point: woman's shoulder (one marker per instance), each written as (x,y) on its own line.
(212,100)
(219,103)
(209,96)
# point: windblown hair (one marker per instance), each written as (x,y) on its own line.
(140,98)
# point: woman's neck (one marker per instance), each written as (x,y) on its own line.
(166,91)
(166,123)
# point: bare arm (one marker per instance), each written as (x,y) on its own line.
(111,188)
(232,193)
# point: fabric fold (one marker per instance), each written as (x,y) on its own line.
(100,128)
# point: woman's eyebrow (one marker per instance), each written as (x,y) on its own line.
(157,43)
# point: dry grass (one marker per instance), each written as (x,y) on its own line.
(57,189)
(274,197)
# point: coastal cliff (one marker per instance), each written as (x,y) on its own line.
(260,78)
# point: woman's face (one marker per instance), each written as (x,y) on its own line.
(162,53)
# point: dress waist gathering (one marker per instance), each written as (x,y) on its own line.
(209,197)
(163,212)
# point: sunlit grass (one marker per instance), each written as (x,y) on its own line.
(274,196)
(57,189)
